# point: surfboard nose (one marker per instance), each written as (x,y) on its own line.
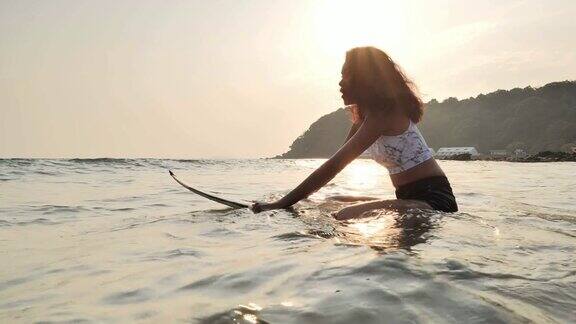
(171,173)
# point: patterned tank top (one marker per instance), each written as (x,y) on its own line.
(401,152)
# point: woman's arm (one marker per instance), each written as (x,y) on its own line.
(366,134)
(353,129)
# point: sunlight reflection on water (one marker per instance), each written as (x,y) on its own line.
(364,175)
(372,227)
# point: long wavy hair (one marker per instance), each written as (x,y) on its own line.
(376,82)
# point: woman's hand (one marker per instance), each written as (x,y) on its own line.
(258,207)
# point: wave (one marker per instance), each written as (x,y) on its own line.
(36,221)
(100,160)
(44,166)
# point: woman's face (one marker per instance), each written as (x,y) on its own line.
(345,85)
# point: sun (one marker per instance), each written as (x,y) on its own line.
(341,25)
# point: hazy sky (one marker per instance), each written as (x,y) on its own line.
(214,79)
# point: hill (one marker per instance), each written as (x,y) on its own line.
(536,119)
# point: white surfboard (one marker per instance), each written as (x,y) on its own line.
(223,201)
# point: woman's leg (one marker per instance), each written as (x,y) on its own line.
(350,198)
(356,210)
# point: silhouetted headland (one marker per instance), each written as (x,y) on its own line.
(538,121)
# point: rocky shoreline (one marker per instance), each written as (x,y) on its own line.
(545,156)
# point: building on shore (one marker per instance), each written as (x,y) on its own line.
(447,152)
(520,153)
(498,153)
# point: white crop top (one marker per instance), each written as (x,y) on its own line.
(401,152)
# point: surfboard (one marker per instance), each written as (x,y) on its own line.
(223,201)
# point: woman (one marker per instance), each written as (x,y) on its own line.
(384,111)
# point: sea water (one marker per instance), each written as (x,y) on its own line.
(117,240)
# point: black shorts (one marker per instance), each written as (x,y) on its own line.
(436,191)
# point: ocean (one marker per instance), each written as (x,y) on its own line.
(117,240)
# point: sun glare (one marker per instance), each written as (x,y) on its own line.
(341,25)
(363,174)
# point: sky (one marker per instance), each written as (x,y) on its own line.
(243,79)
